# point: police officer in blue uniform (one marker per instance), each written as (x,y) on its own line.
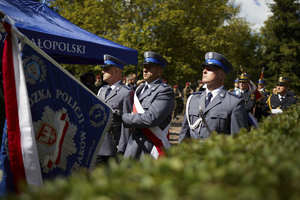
(119,97)
(284,98)
(214,109)
(246,93)
(156,99)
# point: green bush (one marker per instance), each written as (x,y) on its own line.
(260,164)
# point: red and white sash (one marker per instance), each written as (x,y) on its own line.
(22,149)
(157,136)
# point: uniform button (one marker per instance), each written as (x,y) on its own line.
(140,139)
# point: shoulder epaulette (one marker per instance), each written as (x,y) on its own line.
(233,94)
(164,84)
(127,87)
(195,93)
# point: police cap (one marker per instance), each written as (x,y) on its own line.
(244,78)
(154,58)
(261,81)
(112,61)
(218,60)
(283,81)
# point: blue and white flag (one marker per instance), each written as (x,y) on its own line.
(54,123)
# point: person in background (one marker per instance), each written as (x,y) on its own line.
(236,90)
(236,84)
(260,108)
(246,92)
(178,102)
(187,91)
(131,81)
(283,98)
(261,88)
(118,96)
(199,86)
(249,94)
(88,79)
(214,109)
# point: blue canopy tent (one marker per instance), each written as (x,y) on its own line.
(62,40)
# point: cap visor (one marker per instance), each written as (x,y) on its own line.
(103,66)
(281,84)
(151,64)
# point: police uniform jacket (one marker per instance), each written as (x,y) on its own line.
(249,100)
(287,101)
(158,104)
(120,99)
(224,114)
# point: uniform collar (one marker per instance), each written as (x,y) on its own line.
(152,83)
(116,84)
(214,92)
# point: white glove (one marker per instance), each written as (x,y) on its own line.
(276,111)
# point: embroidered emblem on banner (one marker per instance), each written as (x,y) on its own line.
(65,117)
(55,139)
(97,115)
(35,70)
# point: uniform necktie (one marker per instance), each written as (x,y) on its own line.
(208,98)
(107,91)
(144,89)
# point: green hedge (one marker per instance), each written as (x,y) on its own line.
(261,164)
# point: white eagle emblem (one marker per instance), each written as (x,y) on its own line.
(55,139)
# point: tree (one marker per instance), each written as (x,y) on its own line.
(281,40)
(182,31)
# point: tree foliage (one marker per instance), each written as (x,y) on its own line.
(281,40)
(182,31)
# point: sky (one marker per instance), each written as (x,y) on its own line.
(255,12)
